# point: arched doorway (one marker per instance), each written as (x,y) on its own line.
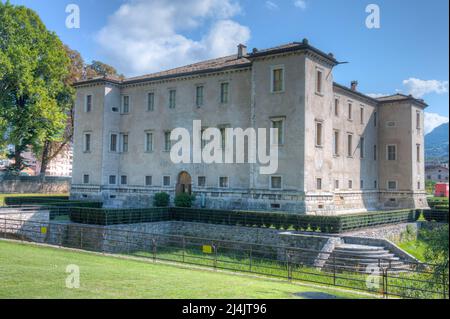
(184,183)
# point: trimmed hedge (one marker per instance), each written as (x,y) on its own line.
(30,200)
(277,220)
(440,216)
(104,217)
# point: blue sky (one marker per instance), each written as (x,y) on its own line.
(408,53)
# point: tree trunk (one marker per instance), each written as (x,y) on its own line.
(18,159)
(45,158)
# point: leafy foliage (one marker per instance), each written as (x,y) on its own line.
(33,95)
(161,200)
(184,200)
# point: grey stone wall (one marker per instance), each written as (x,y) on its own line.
(34,184)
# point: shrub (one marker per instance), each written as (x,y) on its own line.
(184,200)
(161,199)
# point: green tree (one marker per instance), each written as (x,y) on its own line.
(97,68)
(34,97)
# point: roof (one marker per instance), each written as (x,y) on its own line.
(401,97)
(349,90)
(213,65)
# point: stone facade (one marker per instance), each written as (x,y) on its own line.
(315,176)
(34,184)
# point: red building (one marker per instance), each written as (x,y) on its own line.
(441,190)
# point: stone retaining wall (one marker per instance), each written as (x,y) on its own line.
(34,185)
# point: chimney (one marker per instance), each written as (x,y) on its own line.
(354,85)
(242,51)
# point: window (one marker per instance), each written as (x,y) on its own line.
(223,136)
(375,153)
(113,143)
(125,104)
(278,137)
(87,142)
(275,182)
(149,142)
(318,133)
(350,111)
(375,184)
(350,184)
(336,184)
(112,179)
(277,79)
(204,142)
(85,179)
(167,142)
(148,180)
(361,147)
(223,182)
(349,145)
(392,152)
(224,87)
(418,152)
(201,181)
(319,81)
(361,184)
(336,143)
(172,98)
(392,185)
(375,119)
(418,120)
(362,115)
(166,180)
(418,185)
(123,180)
(88,107)
(150,101)
(124,142)
(199,96)
(319,183)
(336,106)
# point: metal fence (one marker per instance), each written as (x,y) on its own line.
(373,275)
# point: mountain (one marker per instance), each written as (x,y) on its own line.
(436,143)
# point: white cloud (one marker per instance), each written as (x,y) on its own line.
(145,36)
(433,120)
(418,88)
(300,4)
(271,5)
(376,95)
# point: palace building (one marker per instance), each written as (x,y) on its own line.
(339,151)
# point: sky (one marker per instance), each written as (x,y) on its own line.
(408,52)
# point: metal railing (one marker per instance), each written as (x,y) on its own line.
(374,275)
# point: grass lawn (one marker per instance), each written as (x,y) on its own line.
(29,271)
(2,196)
(415,247)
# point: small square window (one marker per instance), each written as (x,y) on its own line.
(275,182)
(148,180)
(201,181)
(392,185)
(223,182)
(85,179)
(166,181)
(112,180)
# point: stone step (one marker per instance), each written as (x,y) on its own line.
(361,253)
(359,247)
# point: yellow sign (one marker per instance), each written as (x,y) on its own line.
(207,249)
(43,230)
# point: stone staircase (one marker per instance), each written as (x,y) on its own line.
(359,258)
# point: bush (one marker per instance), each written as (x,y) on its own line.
(161,200)
(184,200)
